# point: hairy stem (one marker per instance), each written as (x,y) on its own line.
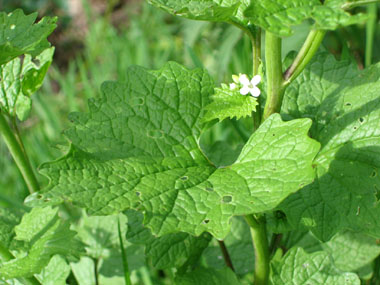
(308,50)
(260,244)
(18,155)
(226,255)
(370,32)
(6,255)
(275,88)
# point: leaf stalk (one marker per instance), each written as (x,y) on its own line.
(370,32)
(304,56)
(226,255)
(254,34)
(18,155)
(127,277)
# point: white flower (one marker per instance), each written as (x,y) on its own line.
(233,86)
(250,86)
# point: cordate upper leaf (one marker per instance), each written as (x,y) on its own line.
(345,107)
(138,148)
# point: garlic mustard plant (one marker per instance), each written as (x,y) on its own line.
(296,201)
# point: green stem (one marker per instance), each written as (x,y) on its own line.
(127,277)
(370,32)
(96,271)
(145,276)
(308,50)
(275,242)
(254,34)
(226,255)
(260,244)
(255,37)
(275,89)
(6,255)
(18,155)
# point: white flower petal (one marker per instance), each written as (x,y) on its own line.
(243,79)
(256,80)
(255,92)
(245,90)
(232,86)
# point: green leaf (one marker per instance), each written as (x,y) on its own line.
(239,246)
(171,250)
(56,272)
(344,105)
(19,35)
(100,234)
(227,104)
(8,220)
(279,16)
(298,267)
(349,251)
(208,276)
(84,271)
(35,224)
(207,10)
(20,79)
(138,149)
(45,235)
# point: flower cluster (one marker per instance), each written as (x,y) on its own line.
(245,85)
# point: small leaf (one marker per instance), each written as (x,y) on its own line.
(56,272)
(21,78)
(298,267)
(34,71)
(8,220)
(23,107)
(227,104)
(45,235)
(208,276)
(100,234)
(84,271)
(19,35)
